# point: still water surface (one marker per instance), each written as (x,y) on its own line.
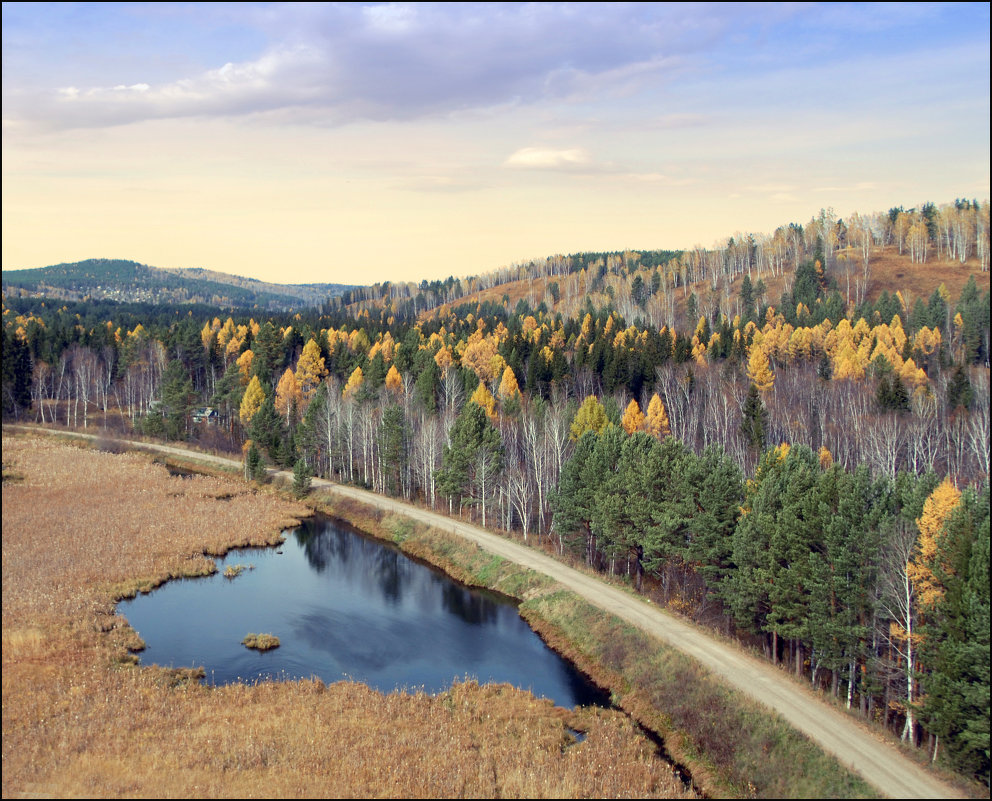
(348,607)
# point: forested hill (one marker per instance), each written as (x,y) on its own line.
(910,251)
(131,282)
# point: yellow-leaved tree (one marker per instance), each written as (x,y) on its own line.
(354,382)
(657,419)
(759,369)
(633,418)
(590,417)
(937,508)
(484,398)
(288,395)
(252,400)
(394,381)
(508,386)
(310,371)
(244,365)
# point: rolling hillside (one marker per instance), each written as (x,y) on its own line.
(129,281)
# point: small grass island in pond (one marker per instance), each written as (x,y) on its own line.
(261,642)
(233,571)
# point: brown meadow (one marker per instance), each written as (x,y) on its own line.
(84,528)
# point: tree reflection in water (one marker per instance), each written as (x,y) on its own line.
(346,606)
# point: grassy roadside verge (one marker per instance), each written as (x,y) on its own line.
(733,747)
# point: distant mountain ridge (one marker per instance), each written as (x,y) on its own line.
(130,281)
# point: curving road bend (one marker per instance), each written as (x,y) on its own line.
(878,762)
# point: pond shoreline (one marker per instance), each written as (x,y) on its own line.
(80,720)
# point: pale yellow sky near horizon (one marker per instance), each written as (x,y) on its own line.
(364,143)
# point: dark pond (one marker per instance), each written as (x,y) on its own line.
(346,606)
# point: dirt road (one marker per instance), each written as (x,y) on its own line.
(877,761)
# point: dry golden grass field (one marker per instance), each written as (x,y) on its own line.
(83,527)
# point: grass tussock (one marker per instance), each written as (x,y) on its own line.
(260,642)
(83,527)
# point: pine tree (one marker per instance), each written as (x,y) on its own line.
(959,391)
(254,469)
(178,398)
(302,478)
(267,348)
(392,438)
(470,464)
(622,509)
(754,420)
(17,374)
(714,489)
(267,429)
(427,385)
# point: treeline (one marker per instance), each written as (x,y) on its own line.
(869,388)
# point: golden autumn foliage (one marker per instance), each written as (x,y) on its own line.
(287,394)
(444,358)
(244,365)
(481,356)
(937,508)
(633,419)
(358,341)
(354,382)
(508,386)
(657,424)
(252,400)
(484,398)
(759,369)
(394,381)
(591,416)
(310,370)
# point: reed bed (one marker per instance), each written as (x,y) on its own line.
(84,528)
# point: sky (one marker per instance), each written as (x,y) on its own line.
(356,143)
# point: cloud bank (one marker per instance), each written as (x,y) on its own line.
(336,63)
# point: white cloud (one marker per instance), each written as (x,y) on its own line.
(539,158)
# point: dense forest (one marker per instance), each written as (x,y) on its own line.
(785,437)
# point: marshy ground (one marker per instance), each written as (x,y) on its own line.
(82,528)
